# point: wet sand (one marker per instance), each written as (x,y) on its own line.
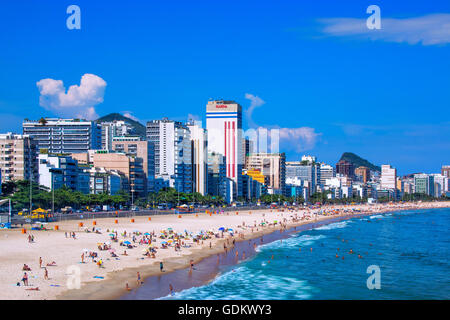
(206,270)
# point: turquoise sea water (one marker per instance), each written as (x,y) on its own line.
(411,248)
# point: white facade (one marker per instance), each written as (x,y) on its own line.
(199,140)
(64,135)
(326,172)
(172,142)
(224,125)
(442,183)
(388,177)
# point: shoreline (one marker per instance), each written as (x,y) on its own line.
(113,288)
(109,282)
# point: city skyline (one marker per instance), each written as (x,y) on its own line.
(384,98)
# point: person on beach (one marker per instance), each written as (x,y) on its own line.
(25,279)
(171,289)
(192,264)
(82,257)
(138,279)
(45,273)
(127,287)
(161,266)
(40,262)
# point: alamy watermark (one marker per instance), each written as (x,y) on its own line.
(73,273)
(374,21)
(74,20)
(374,280)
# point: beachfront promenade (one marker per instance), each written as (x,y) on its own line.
(112,250)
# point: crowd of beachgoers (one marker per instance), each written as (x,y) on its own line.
(44,263)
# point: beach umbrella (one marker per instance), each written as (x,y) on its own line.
(112,235)
(127,242)
(146,234)
(222,229)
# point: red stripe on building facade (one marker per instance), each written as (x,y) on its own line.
(234,151)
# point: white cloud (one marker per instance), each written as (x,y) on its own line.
(299,139)
(129,114)
(79,101)
(430,29)
(255,102)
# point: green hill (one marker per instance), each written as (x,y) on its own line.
(358,161)
(138,127)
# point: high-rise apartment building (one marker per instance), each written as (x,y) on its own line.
(199,157)
(440,184)
(112,129)
(445,171)
(64,135)
(17,158)
(173,158)
(345,168)
(364,173)
(388,177)
(218,183)
(224,125)
(424,183)
(273,167)
(56,171)
(130,166)
(143,149)
(306,172)
(326,172)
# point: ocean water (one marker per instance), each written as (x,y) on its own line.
(411,249)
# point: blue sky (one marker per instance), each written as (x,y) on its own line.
(384,96)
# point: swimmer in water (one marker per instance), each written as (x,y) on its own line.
(337,256)
(171,289)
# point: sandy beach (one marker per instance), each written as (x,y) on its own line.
(108,281)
